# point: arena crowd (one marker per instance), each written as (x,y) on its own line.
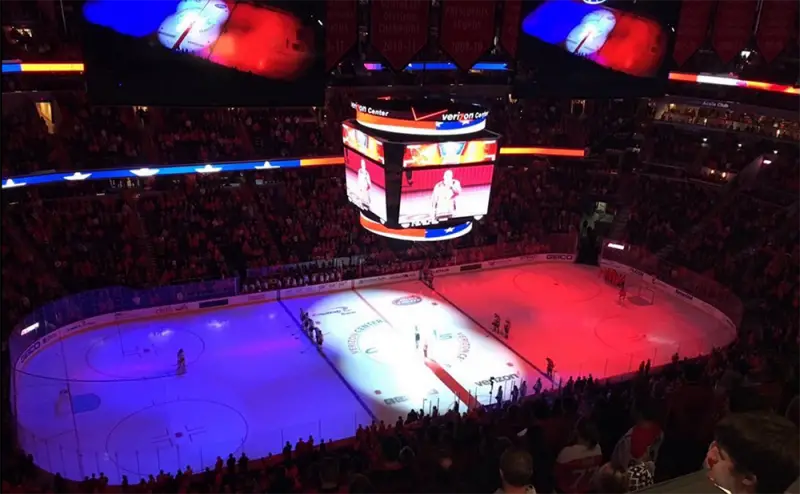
(289,228)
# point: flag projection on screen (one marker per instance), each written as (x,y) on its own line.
(614,39)
(209,52)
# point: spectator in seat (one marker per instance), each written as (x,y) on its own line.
(642,442)
(615,478)
(577,463)
(516,470)
(754,452)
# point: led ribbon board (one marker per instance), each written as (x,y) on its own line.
(423,118)
(429,234)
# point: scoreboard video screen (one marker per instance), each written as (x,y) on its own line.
(419,170)
(449,153)
(204,52)
(596,49)
(363,143)
(366,183)
(437,195)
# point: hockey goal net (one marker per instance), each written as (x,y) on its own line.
(644,295)
(638,291)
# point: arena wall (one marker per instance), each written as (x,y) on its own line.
(304,291)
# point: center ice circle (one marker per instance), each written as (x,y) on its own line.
(176,434)
(143,353)
(630,336)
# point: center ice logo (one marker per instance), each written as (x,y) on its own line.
(407,300)
(344,311)
(374,340)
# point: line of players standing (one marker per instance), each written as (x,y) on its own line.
(496,326)
(310,329)
(507,329)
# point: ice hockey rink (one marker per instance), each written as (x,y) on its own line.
(254,380)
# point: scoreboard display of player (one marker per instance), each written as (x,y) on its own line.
(419,170)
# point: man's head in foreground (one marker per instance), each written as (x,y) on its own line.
(516,470)
(754,453)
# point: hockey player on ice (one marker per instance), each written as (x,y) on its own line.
(443,199)
(551,367)
(416,337)
(507,328)
(318,337)
(181,362)
(496,323)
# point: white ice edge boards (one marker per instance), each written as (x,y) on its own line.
(672,291)
(305,291)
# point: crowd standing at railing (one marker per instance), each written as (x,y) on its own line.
(774,127)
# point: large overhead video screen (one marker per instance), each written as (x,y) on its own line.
(366,183)
(204,52)
(435,195)
(619,47)
(363,143)
(449,153)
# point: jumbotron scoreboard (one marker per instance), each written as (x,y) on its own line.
(419,170)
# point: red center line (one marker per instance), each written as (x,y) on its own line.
(448,380)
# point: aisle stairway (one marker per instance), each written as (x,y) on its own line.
(131,198)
